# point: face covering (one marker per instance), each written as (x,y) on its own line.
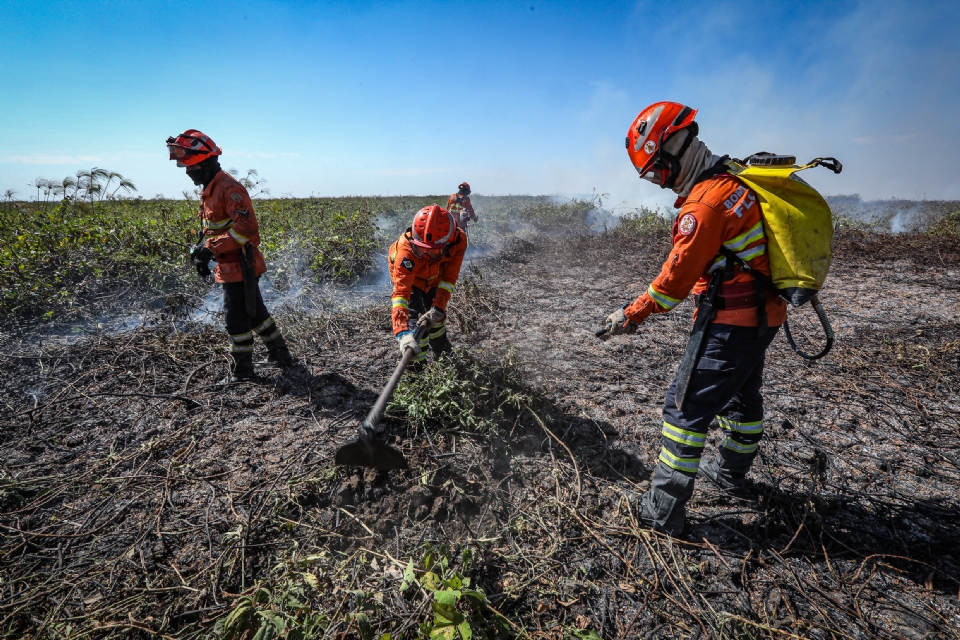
(694,161)
(205,172)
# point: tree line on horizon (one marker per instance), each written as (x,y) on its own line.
(96,185)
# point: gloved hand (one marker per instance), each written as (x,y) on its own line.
(200,255)
(408,341)
(430,318)
(617,324)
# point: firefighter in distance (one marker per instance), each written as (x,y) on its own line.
(424,267)
(460,206)
(719,216)
(230,235)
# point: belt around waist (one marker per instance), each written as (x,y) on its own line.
(742,295)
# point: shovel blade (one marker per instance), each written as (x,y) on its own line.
(370,454)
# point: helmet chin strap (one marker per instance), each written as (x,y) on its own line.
(673,160)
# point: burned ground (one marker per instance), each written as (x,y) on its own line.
(138,497)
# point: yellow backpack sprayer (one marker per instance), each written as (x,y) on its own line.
(798,227)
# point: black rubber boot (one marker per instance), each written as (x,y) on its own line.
(730,481)
(241,368)
(663,507)
(278,353)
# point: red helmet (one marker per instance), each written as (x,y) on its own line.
(433,227)
(464,187)
(645,138)
(192,147)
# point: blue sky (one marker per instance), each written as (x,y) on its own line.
(515,97)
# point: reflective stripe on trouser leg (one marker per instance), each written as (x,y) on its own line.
(439,341)
(731,359)
(742,423)
(682,448)
(739,447)
(438,330)
(242,343)
(267,330)
(422,356)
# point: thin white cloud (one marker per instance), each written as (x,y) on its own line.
(38,158)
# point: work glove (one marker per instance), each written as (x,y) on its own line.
(430,318)
(617,324)
(200,255)
(408,341)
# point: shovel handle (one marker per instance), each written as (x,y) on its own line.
(376,413)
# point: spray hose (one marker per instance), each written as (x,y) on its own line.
(827,329)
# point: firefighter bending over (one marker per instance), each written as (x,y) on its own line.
(718,227)
(459,205)
(230,235)
(424,266)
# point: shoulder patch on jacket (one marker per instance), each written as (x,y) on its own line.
(236,197)
(407,264)
(688,224)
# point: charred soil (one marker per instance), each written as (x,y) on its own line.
(139,498)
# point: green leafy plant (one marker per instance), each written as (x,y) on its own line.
(459,611)
(277,611)
(464,393)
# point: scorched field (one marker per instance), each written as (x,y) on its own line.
(139,498)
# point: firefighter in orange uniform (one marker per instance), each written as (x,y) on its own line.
(459,205)
(718,230)
(230,235)
(424,266)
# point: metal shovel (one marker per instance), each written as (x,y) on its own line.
(366,450)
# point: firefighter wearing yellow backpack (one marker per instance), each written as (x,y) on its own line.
(749,236)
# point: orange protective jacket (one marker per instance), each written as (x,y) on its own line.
(226,214)
(461,208)
(409,271)
(719,211)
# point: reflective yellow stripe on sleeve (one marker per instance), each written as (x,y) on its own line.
(223,224)
(664,301)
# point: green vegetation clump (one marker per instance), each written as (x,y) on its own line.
(295,603)
(643,222)
(62,255)
(58,255)
(949,225)
(462,392)
(53,255)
